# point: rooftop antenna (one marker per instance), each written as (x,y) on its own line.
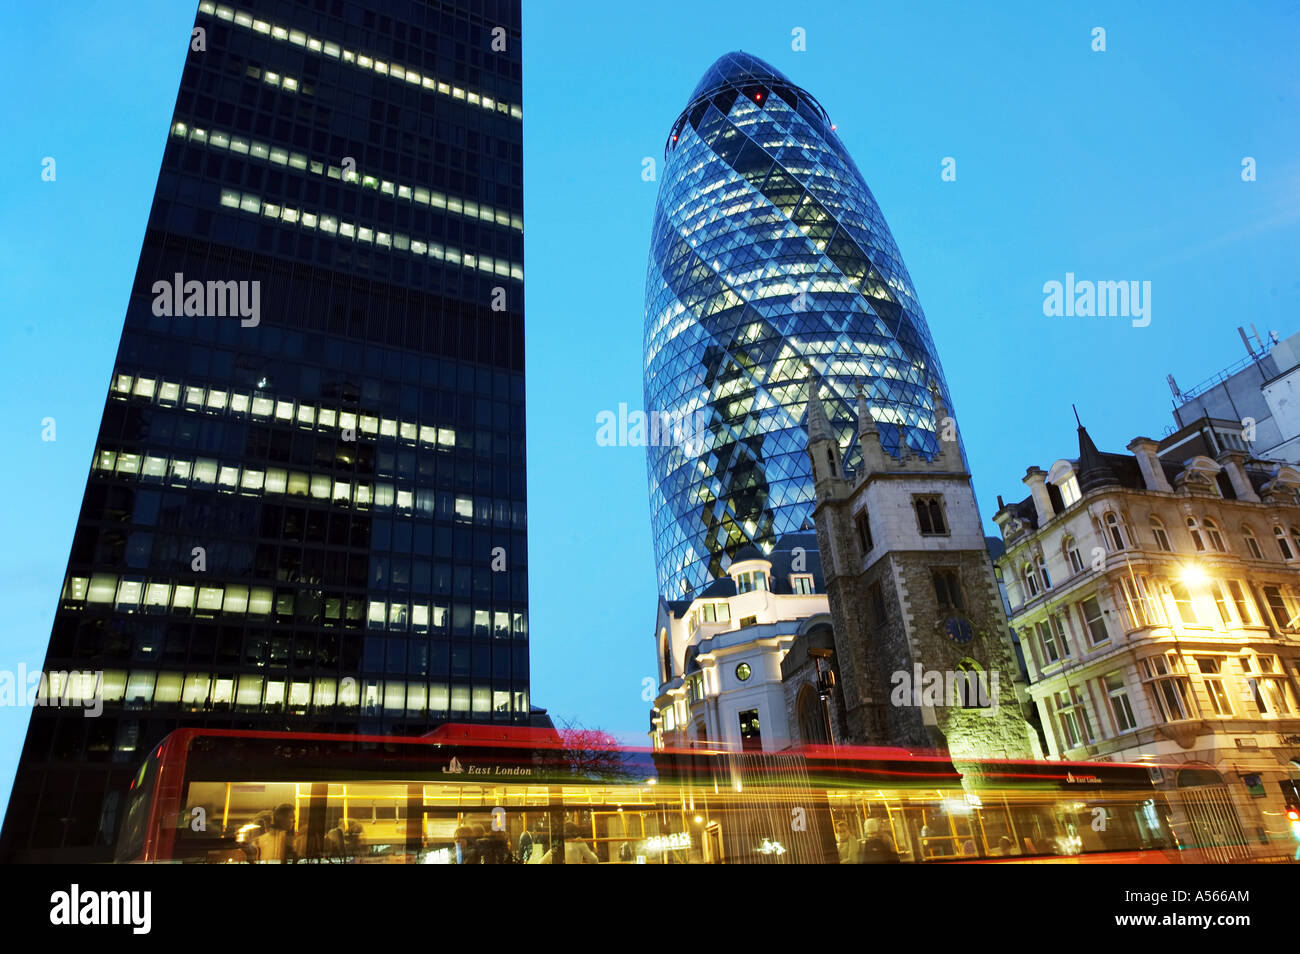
(1076,415)
(1246,341)
(1173,386)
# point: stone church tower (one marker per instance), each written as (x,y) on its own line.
(921,641)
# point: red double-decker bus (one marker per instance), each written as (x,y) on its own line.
(481,794)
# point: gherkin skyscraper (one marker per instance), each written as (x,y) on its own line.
(770,265)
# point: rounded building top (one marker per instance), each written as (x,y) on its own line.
(737,70)
(748,552)
(739,73)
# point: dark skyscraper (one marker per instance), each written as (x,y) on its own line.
(768,253)
(306,506)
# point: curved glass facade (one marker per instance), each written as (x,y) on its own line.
(768,254)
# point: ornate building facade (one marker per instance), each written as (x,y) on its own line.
(1158,601)
(721,653)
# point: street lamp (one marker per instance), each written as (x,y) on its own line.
(825,684)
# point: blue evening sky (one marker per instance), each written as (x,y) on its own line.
(1122,165)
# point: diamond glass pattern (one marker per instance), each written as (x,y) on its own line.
(768,254)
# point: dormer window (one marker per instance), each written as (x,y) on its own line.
(802,584)
(1069,490)
(1062,478)
(929,515)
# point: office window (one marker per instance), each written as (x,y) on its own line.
(1276,687)
(1072,716)
(1047,645)
(1211,675)
(1183,600)
(1167,683)
(1120,708)
(929,515)
(1244,605)
(1252,544)
(1159,535)
(1059,629)
(1221,602)
(1277,606)
(1135,604)
(1090,611)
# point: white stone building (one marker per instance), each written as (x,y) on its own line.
(720,653)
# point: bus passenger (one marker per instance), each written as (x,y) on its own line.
(276,842)
(247,835)
(466,846)
(343,845)
(877,847)
(848,848)
(525,845)
(576,851)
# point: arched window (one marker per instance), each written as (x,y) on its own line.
(1295,539)
(936,517)
(1216,538)
(830,460)
(812,718)
(1072,556)
(1283,545)
(1114,530)
(1042,572)
(929,515)
(1252,544)
(1159,535)
(1030,579)
(1195,531)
